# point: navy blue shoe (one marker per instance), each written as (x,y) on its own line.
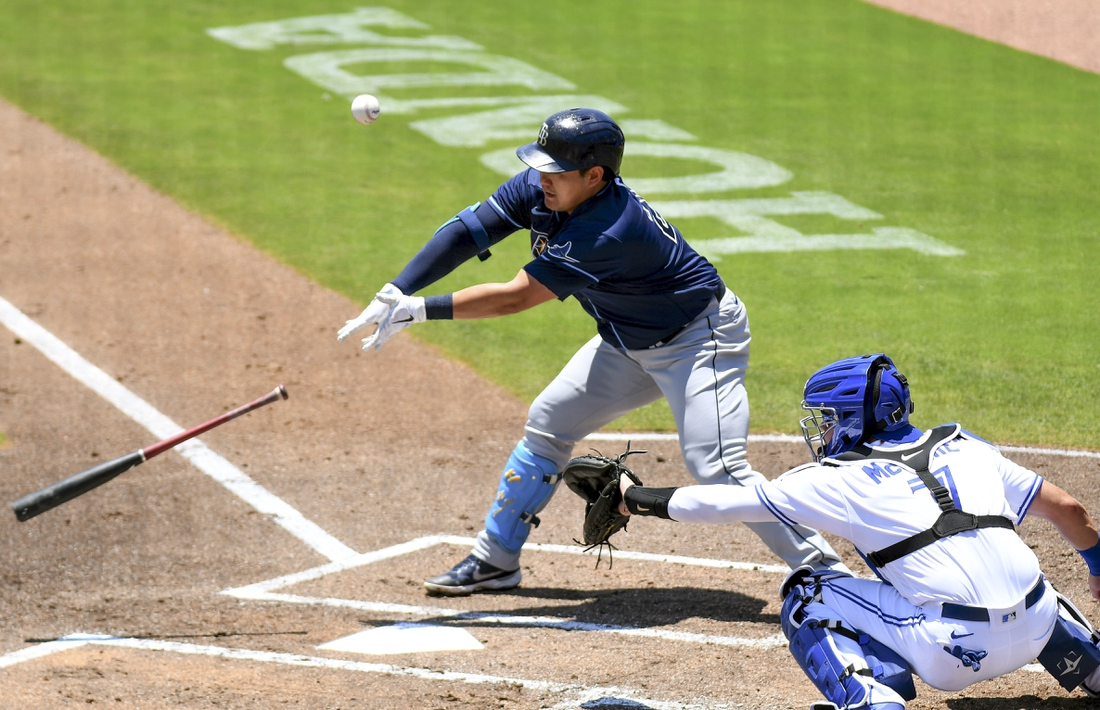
(471,575)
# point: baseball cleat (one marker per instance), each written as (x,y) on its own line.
(471,575)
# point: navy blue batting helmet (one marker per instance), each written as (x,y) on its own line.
(576,139)
(852,399)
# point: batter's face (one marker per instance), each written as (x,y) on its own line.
(564,192)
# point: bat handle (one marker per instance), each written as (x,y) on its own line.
(161,446)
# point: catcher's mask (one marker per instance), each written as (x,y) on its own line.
(851,400)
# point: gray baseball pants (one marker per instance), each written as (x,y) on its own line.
(701,373)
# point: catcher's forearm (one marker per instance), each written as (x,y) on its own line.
(648,501)
(718,505)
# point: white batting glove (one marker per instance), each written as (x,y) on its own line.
(373,314)
(404,311)
(391,311)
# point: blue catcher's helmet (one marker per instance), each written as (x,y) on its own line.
(852,399)
(576,139)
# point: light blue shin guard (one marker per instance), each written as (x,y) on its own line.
(528,483)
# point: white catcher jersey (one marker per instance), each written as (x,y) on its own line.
(876,503)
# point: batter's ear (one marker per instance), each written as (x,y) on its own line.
(595,175)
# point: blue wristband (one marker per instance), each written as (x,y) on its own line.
(1092,558)
(439,307)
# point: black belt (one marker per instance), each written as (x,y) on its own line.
(719,293)
(980,613)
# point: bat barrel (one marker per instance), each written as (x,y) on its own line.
(52,496)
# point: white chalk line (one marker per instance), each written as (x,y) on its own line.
(543,622)
(792,439)
(265,592)
(342,556)
(42,650)
(423,543)
(580,693)
(162,427)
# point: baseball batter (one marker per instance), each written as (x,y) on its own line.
(667,327)
(962,598)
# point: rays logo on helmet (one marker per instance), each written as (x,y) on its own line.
(576,139)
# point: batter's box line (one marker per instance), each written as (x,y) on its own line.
(579,694)
(640,436)
(266,592)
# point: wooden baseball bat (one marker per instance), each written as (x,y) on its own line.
(78,484)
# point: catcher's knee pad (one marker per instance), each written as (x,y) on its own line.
(1071,655)
(851,669)
(525,488)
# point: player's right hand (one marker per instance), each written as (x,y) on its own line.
(403,312)
(625,484)
(377,312)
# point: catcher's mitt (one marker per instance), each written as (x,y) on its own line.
(596,479)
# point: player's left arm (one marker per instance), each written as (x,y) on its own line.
(1073,522)
(453,244)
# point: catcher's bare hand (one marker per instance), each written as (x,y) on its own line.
(599,480)
(625,483)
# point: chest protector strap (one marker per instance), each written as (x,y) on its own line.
(951,521)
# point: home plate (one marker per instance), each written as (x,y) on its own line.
(406,638)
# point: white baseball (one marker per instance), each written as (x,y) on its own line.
(365,108)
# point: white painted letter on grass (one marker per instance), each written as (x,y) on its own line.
(738,170)
(349,28)
(514,123)
(327,70)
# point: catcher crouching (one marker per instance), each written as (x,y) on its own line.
(961,597)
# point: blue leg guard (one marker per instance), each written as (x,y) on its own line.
(525,488)
(1071,655)
(851,669)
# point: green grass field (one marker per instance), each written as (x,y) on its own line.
(989,150)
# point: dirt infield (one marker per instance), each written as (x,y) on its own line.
(1065,30)
(376,450)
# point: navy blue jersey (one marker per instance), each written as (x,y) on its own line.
(630,269)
